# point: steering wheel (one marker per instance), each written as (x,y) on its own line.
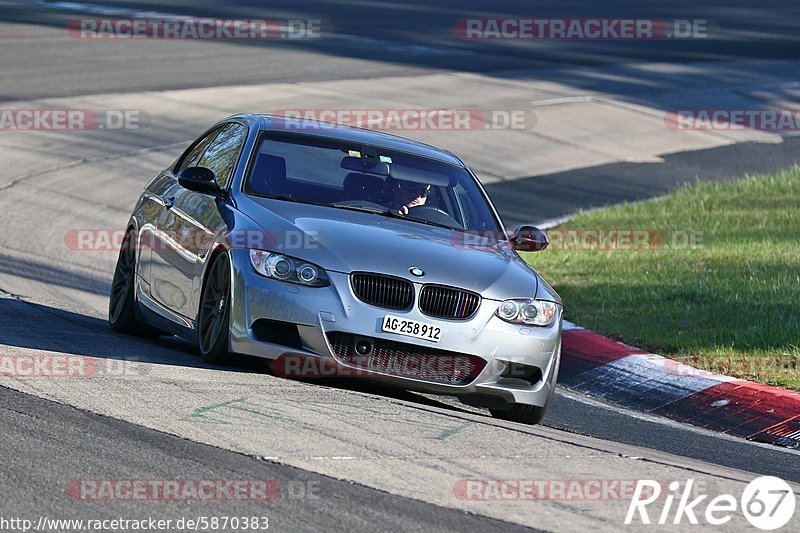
(433,214)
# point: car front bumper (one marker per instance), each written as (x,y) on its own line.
(518,364)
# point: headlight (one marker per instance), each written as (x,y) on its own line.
(527,312)
(289,269)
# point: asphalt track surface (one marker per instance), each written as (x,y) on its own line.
(55,432)
(372,40)
(76,439)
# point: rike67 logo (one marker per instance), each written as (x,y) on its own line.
(767,503)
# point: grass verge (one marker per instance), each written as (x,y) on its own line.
(708,275)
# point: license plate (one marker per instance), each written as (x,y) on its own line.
(411,328)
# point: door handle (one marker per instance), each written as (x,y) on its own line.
(169,203)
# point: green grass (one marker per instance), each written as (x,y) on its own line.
(730,304)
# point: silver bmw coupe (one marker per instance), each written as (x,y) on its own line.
(336,251)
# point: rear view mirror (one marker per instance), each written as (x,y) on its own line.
(358,164)
(199,179)
(529,239)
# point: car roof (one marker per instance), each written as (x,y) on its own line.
(343,132)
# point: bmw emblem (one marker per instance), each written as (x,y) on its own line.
(416,271)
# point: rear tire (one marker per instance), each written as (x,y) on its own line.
(213,318)
(122,300)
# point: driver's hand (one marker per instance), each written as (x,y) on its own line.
(404,210)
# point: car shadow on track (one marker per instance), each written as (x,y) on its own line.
(26,326)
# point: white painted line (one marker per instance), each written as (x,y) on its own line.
(673,367)
(553,222)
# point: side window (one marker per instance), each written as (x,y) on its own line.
(191,157)
(222,153)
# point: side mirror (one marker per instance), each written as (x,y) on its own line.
(529,239)
(199,179)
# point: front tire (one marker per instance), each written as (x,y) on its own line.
(122,300)
(525,414)
(213,320)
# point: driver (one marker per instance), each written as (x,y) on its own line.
(401,195)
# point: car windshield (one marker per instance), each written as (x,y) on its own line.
(344,175)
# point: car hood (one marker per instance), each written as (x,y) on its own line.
(343,240)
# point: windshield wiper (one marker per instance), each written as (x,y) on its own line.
(363,209)
(392,214)
(373,210)
(285,198)
(435,224)
(388,213)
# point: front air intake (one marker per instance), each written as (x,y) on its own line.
(406,360)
